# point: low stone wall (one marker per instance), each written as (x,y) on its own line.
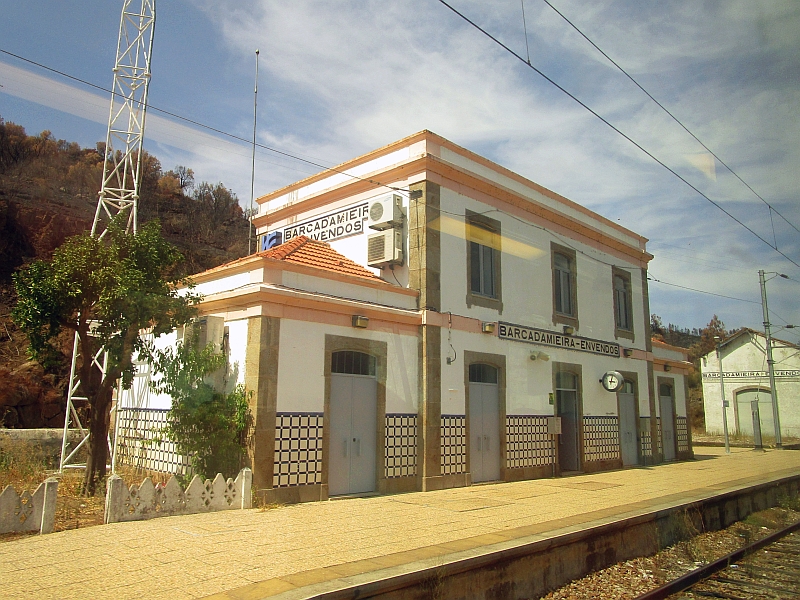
(45,441)
(148,501)
(29,512)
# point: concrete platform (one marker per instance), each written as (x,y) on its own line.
(358,546)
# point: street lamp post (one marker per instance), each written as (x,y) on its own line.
(722,394)
(776,419)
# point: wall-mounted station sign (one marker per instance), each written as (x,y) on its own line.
(542,337)
(326,228)
(750,374)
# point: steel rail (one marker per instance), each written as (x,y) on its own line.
(698,575)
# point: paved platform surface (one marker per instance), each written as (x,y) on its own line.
(257,553)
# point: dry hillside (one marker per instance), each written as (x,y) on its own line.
(48,192)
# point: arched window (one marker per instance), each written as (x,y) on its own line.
(350,362)
(566,381)
(665,389)
(481,373)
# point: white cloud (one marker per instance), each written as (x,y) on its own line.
(348,77)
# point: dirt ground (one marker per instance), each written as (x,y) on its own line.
(23,468)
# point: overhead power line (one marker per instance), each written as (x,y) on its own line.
(617,130)
(683,287)
(204,126)
(674,118)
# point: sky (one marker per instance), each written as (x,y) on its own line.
(338,79)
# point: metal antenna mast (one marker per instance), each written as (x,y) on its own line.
(119,191)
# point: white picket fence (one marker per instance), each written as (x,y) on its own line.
(20,512)
(148,501)
(29,512)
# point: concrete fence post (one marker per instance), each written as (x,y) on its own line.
(49,505)
(115,499)
(247,487)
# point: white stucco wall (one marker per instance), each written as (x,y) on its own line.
(529,383)
(354,246)
(301,380)
(527,279)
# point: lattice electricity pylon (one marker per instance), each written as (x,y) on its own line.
(123,153)
(119,190)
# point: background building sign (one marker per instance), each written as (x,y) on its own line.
(342,223)
(270,240)
(750,374)
(520,333)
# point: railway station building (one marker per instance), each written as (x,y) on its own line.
(421,318)
(746,384)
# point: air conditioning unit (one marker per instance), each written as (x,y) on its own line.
(385,212)
(385,248)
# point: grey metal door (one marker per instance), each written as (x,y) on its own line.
(484,426)
(568,410)
(353,440)
(629,445)
(667,404)
(744,411)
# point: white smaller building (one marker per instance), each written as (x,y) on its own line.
(745,378)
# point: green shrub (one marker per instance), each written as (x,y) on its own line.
(210,427)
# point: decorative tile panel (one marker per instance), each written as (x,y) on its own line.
(645,437)
(682,430)
(400,458)
(298,449)
(527,442)
(454,444)
(660,438)
(141,443)
(601,438)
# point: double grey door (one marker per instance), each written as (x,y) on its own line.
(667,406)
(484,422)
(353,426)
(484,431)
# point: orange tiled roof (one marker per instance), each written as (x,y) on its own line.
(303,250)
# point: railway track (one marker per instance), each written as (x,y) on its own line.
(765,570)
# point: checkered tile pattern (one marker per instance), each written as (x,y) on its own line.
(527,442)
(298,449)
(401,445)
(644,434)
(660,437)
(454,444)
(682,434)
(601,438)
(140,443)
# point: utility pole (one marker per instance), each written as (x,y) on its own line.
(770,363)
(250,238)
(722,394)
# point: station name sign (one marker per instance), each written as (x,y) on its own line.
(749,374)
(342,223)
(521,333)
